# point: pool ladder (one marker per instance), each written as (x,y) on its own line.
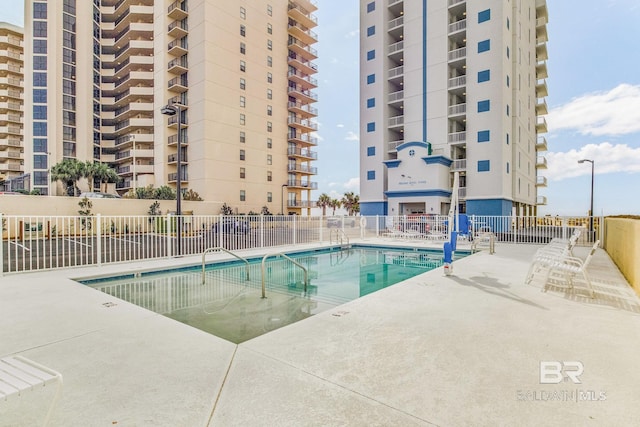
(341,236)
(280,254)
(230,253)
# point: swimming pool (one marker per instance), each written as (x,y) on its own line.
(231,307)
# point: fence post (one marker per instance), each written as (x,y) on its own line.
(2,244)
(294,228)
(99,239)
(167,233)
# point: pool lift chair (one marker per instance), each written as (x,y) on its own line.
(19,375)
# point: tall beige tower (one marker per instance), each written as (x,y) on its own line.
(11,106)
(238,75)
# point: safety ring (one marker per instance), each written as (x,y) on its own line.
(363,222)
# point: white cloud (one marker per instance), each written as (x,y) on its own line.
(616,112)
(340,125)
(352,184)
(352,136)
(352,34)
(608,158)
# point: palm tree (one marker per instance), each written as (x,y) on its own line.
(69,172)
(351,202)
(335,203)
(323,201)
(103,173)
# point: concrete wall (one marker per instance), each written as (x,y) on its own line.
(62,205)
(622,243)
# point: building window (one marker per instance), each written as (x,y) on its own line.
(40,79)
(269,143)
(269,29)
(243,13)
(40,161)
(371,127)
(242,173)
(269,197)
(242,155)
(243,137)
(39,145)
(39,46)
(484,76)
(508,52)
(508,81)
(269,176)
(269,110)
(371,78)
(243,119)
(39,11)
(269,94)
(269,159)
(243,48)
(269,77)
(484,15)
(484,46)
(39,62)
(269,127)
(371,30)
(243,30)
(483,106)
(371,175)
(371,55)
(371,102)
(507,23)
(269,10)
(371,7)
(507,110)
(269,45)
(507,139)
(243,102)
(39,129)
(243,84)
(243,66)
(507,167)
(484,166)
(40,29)
(371,151)
(269,61)
(243,195)
(40,96)
(484,136)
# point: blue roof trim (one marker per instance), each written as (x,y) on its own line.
(413,144)
(392,163)
(437,160)
(418,193)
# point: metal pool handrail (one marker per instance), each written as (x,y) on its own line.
(306,275)
(227,251)
(339,234)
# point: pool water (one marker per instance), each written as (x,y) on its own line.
(230,307)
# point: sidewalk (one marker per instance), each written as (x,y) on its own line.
(434,350)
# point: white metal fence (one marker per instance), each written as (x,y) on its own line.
(31,243)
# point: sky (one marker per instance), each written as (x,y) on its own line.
(594,102)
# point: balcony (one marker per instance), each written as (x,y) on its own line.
(396,75)
(180,100)
(459,165)
(396,48)
(297,61)
(172,122)
(541,125)
(302,15)
(173,140)
(541,144)
(452,3)
(541,88)
(457,110)
(541,52)
(541,108)
(302,124)
(178,66)
(541,201)
(302,168)
(393,145)
(541,181)
(304,50)
(541,162)
(303,184)
(397,121)
(178,10)
(303,34)
(457,138)
(541,70)
(302,94)
(457,82)
(302,153)
(304,110)
(302,204)
(172,159)
(462,193)
(302,138)
(395,25)
(459,54)
(396,98)
(303,80)
(178,29)
(178,47)
(457,26)
(172,177)
(178,84)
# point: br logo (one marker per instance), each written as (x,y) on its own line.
(554,372)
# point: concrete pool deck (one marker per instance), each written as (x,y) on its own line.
(441,350)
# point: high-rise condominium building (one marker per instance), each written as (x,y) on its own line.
(452,86)
(11,106)
(237,73)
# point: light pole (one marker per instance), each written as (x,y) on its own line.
(282,198)
(133,138)
(591,211)
(175,110)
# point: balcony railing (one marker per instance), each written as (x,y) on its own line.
(457,82)
(458,26)
(459,165)
(303,184)
(457,54)
(457,109)
(541,181)
(396,121)
(301,152)
(396,47)
(395,72)
(457,137)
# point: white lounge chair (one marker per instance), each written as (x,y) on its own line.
(19,374)
(568,267)
(551,253)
